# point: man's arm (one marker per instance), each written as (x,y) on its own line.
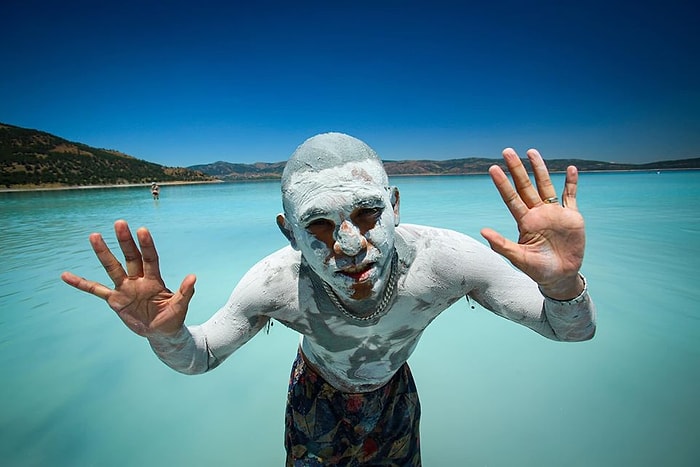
(509,293)
(148,308)
(189,352)
(266,288)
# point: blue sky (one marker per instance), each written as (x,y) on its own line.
(183,83)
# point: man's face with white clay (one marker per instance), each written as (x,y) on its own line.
(341,216)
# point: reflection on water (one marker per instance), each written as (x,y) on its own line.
(79,389)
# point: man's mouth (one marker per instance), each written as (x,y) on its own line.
(358,273)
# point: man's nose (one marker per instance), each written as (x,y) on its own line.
(349,240)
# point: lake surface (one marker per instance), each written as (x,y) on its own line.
(78,389)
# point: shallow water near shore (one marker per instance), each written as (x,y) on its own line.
(78,389)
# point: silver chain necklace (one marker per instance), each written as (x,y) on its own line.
(388,294)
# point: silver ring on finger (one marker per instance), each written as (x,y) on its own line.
(552,200)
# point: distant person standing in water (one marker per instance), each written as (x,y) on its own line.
(155,190)
(360,288)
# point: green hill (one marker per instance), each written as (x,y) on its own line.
(36,159)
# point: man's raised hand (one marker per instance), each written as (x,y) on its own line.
(140,297)
(552,238)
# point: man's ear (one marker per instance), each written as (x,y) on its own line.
(395,204)
(286,230)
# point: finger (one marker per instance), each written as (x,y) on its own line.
(132,255)
(112,266)
(521,178)
(515,205)
(539,168)
(570,187)
(151,266)
(91,287)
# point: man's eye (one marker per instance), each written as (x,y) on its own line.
(370,212)
(320,224)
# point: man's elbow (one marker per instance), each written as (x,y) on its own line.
(579,335)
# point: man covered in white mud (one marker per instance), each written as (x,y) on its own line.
(360,289)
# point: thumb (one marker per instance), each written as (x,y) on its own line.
(500,244)
(496,240)
(181,299)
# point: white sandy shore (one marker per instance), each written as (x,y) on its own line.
(91,187)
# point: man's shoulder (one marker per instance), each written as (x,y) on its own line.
(286,260)
(286,253)
(415,234)
(435,244)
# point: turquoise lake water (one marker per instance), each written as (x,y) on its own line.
(78,389)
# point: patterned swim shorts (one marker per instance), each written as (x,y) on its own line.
(327,427)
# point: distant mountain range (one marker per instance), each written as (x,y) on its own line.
(228,171)
(36,159)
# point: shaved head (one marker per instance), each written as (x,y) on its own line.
(325,151)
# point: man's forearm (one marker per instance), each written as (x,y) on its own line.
(185,351)
(572,320)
